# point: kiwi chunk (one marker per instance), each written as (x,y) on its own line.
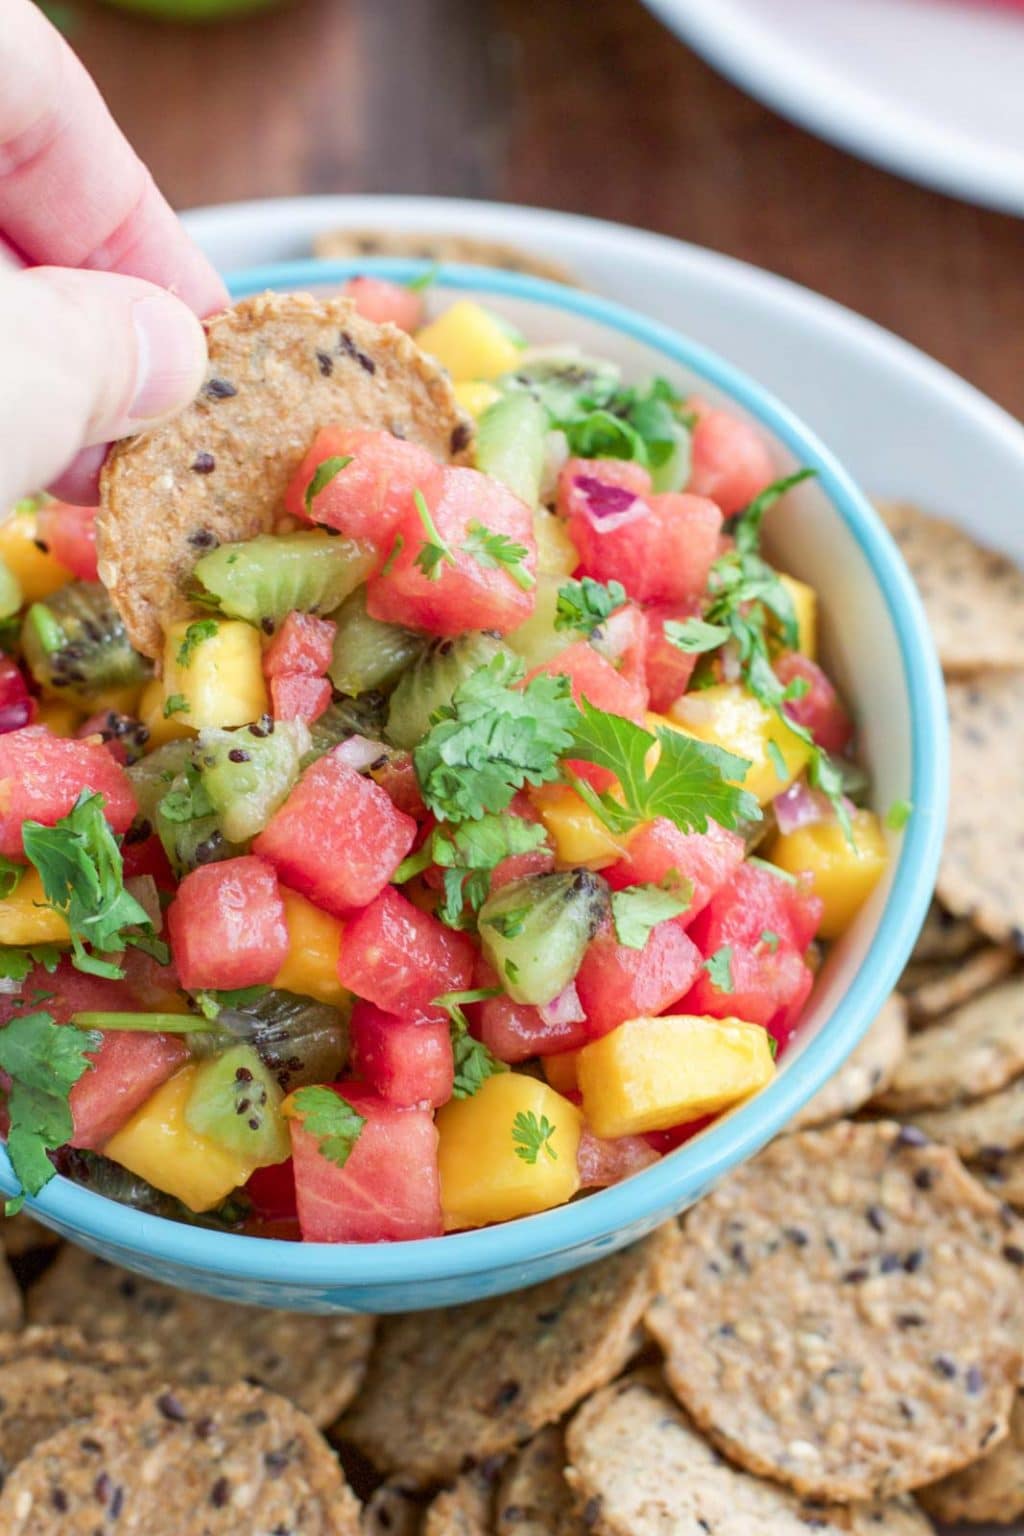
(361,716)
(535,931)
(511,439)
(264,579)
(300,1040)
(248,773)
(236,1102)
(189,827)
(153,775)
(10,592)
(76,644)
(369,654)
(565,382)
(537,640)
(431,681)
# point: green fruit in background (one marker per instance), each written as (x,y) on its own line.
(193,10)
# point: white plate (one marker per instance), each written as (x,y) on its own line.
(933,89)
(903,424)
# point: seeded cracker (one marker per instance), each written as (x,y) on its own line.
(991,1489)
(393,1509)
(956,982)
(821,1322)
(975,1050)
(981,875)
(868,1069)
(317,1362)
(534,1498)
(12,1308)
(344,244)
(639,1468)
(462,1510)
(20,1235)
(974,598)
(475,1381)
(945,937)
(211,1462)
(281,366)
(1002,1173)
(979,1128)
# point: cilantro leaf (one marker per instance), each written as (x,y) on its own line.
(898,814)
(211,1004)
(778,761)
(325,473)
(331,1119)
(496,551)
(695,636)
(435,550)
(426,279)
(469,852)
(176,704)
(393,554)
(43,1060)
(16,964)
(640,908)
(196,634)
(474,1063)
(584,605)
(10,877)
(719,968)
(492,739)
(533,1136)
(747,528)
(146,1023)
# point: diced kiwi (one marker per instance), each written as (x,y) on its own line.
(266,578)
(152,776)
(431,681)
(369,654)
(362,716)
(249,772)
(565,382)
(511,439)
(300,1040)
(236,1101)
(10,592)
(189,827)
(109,1179)
(535,931)
(537,640)
(76,644)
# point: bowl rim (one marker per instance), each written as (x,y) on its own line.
(686,1174)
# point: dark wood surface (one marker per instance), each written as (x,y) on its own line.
(585,105)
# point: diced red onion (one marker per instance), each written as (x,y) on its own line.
(566,1008)
(14,716)
(801,806)
(360,752)
(607,507)
(9,987)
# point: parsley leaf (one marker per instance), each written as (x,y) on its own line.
(325,473)
(695,636)
(10,877)
(331,1119)
(435,550)
(395,551)
(584,605)
(43,1060)
(496,551)
(719,968)
(533,1136)
(195,635)
(492,739)
(211,1004)
(16,964)
(176,704)
(640,908)
(474,1063)
(898,814)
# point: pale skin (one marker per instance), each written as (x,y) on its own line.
(100,286)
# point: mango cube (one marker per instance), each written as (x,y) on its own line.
(158,1144)
(844,876)
(314,944)
(59,717)
(36,571)
(557,555)
(475,396)
(652,1074)
(562,1071)
(507,1151)
(25,918)
(215,668)
(805,607)
(728,716)
(580,838)
(470,342)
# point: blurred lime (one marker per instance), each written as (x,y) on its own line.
(192,10)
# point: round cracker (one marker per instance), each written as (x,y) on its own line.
(280,367)
(945,937)
(990,1489)
(395,1508)
(821,1323)
(12,1306)
(639,1468)
(869,1068)
(317,1362)
(1003,1174)
(949,984)
(209,1462)
(979,1128)
(981,875)
(467,1383)
(51,1376)
(533,1497)
(346,244)
(462,1510)
(973,597)
(21,1234)
(975,1050)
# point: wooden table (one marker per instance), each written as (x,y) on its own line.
(585,105)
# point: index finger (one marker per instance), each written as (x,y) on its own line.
(73,193)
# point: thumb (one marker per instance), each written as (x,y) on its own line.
(87,356)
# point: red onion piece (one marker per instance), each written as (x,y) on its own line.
(566,1008)
(15,715)
(607,507)
(360,752)
(800,806)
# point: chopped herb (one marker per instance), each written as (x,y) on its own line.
(639,908)
(533,1136)
(426,279)
(145,1023)
(331,1119)
(16,964)
(585,604)
(10,877)
(695,636)
(176,704)
(474,1063)
(770,940)
(719,968)
(773,1046)
(512,971)
(435,550)
(777,760)
(44,1061)
(467,854)
(396,550)
(898,814)
(496,551)
(212,1004)
(195,636)
(325,473)
(773,869)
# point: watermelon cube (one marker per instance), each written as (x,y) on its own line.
(659,853)
(667,669)
(227,927)
(602,1160)
(616,983)
(41,777)
(400,958)
(515,1032)
(296,696)
(756,901)
(303,644)
(729,460)
(70,534)
(371,495)
(126,1070)
(595,679)
(821,711)
(764,987)
(385,303)
(406,1061)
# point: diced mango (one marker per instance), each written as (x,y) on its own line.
(220,677)
(30,562)
(162,728)
(26,919)
(470,342)
(730,717)
(652,1074)
(158,1145)
(314,944)
(580,838)
(475,396)
(562,1071)
(557,555)
(59,717)
(844,876)
(488,1172)
(122,701)
(805,607)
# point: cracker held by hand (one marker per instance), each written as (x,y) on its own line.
(281,367)
(842,1317)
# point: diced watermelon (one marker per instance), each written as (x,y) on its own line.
(66,991)
(338,838)
(41,777)
(127,1069)
(147,856)
(616,983)
(405,1061)
(17,707)
(296,696)
(595,679)
(303,644)
(610,474)
(466,594)
(602,1161)
(661,547)
(677,1135)
(397,778)
(658,853)
(226,925)
(755,901)
(515,1032)
(821,710)
(383,302)
(729,460)
(668,669)
(388,1189)
(539,861)
(400,958)
(768,988)
(272,1192)
(622,639)
(70,533)
(371,495)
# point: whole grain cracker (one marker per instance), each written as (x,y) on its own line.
(280,367)
(462,1510)
(215,1461)
(21,1234)
(979,1128)
(955,982)
(869,1068)
(51,1376)
(317,1362)
(975,1050)
(639,1468)
(973,596)
(1003,1174)
(990,1489)
(395,1508)
(945,937)
(533,1497)
(345,244)
(981,874)
(473,1382)
(821,1322)
(12,1306)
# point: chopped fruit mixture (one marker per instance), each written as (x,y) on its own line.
(471,844)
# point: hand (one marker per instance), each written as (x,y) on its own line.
(92,343)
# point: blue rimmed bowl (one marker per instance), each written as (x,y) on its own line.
(876,641)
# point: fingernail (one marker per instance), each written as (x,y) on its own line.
(171,357)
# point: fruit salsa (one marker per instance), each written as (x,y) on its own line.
(465,838)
